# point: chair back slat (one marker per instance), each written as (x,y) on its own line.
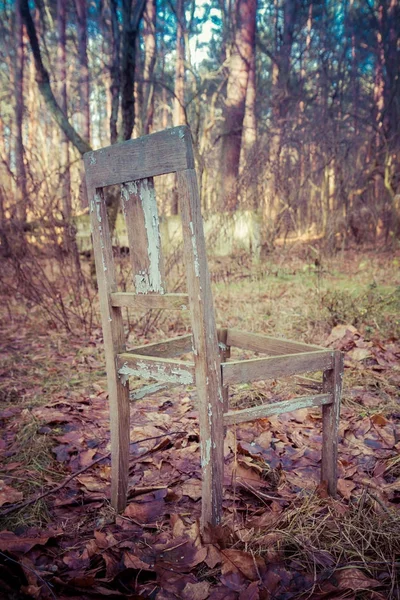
(139,206)
(168,151)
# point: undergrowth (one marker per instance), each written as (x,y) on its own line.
(371,309)
(324,537)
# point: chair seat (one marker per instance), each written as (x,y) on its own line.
(150,362)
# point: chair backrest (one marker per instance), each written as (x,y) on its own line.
(132,165)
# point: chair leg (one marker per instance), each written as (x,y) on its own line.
(120,430)
(332,382)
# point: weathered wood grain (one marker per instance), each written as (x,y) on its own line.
(166,151)
(332,382)
(148,390)
(160,369)
(224,354)
(277,408)
(139,206)
(275,366)
(206,356)
(308,383)
(114,342)
(266,344)
(143,302)
(167,348)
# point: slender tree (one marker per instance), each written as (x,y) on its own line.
(22,196)
(115,70)
(149,36)
(241,54)
(65,177)
(179,91)
(84,83)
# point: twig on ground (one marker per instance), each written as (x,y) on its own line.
(20,505)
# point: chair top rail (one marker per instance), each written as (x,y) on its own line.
(159,153)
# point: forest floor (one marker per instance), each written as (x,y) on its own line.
(282,537)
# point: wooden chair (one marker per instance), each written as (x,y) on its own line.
(132,165)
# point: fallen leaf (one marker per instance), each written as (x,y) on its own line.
(379,419)
(9,495)
(131,561)
(345,487)
(196,591)
(9,542)
(92,483)
(355,579)
(359,354)
(145,512)
(234,561)
(251,593)
(192,488)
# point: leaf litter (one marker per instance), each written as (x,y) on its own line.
(282,536)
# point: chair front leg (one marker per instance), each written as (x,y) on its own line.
(332,383)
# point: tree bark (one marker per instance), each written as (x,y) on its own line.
(149,35)
(281,96)
(84,84)
(130,26)
(115,74)
(22,198)
(239,67)
(179,91)
(62,95)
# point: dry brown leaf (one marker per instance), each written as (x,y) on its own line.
(354,579)
(359,354)
(131,561)
(196,591)
(192,488)
(234,561)
(345,487)
(92,483)
(13,543)
(9,495)
(145,512)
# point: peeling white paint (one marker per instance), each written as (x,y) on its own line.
(205,450)
(195,253)
(97,201)
(144,281)
(103,261)
(210,413)
(152,280)
(92,158)
(157,372)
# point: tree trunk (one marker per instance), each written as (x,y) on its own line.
(22,197)
(178,115)
(280,102)
(239,67)
(248,162)
(115,74)
(149,35)
(84,85)
(179,91)
(130,26)
(65,178)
